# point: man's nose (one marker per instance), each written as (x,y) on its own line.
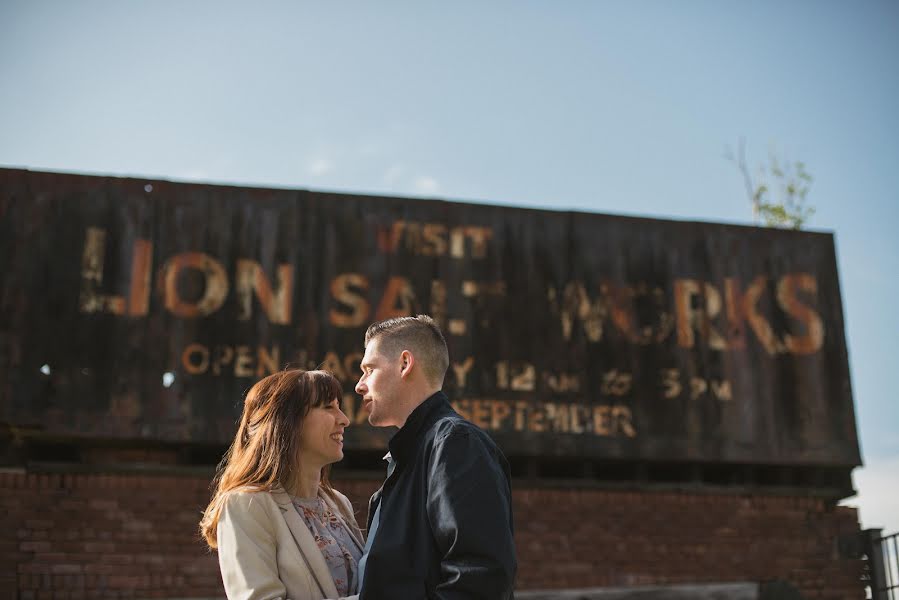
(360,387)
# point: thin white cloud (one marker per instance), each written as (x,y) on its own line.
(393,174)
(320,166)
(878,494)
(425,185)
(194,175)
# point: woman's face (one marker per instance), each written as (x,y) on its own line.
(321,436)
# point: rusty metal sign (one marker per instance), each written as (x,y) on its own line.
(135,309)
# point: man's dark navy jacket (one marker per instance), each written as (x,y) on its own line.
(445,528)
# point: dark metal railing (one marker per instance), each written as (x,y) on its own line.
(883,564)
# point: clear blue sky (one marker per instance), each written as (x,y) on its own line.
(620,107)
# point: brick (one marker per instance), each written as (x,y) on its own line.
(66,569)
(113,536)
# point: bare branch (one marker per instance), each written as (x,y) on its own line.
(747,179)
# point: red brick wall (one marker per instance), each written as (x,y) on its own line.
(104,536)
(596,538)
(115,536)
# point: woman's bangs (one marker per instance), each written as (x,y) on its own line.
(326,389)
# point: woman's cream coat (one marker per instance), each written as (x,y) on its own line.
(266,551)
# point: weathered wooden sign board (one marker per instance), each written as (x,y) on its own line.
(138,309)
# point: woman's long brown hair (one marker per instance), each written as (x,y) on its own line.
(263,455)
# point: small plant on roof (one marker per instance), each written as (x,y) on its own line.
(778,194)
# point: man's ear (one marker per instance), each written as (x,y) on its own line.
(407,361)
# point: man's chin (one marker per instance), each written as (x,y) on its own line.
(375,421)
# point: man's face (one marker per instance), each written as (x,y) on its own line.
(379,385)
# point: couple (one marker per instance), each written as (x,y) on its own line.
(439,527)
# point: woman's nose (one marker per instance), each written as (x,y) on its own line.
(345,420)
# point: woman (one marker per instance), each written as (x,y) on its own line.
(281,530)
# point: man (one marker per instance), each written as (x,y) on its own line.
(441,524)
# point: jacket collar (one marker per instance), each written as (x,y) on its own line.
(404,442)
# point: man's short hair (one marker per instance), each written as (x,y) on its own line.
(420,335)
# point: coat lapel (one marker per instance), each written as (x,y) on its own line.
(306,544)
